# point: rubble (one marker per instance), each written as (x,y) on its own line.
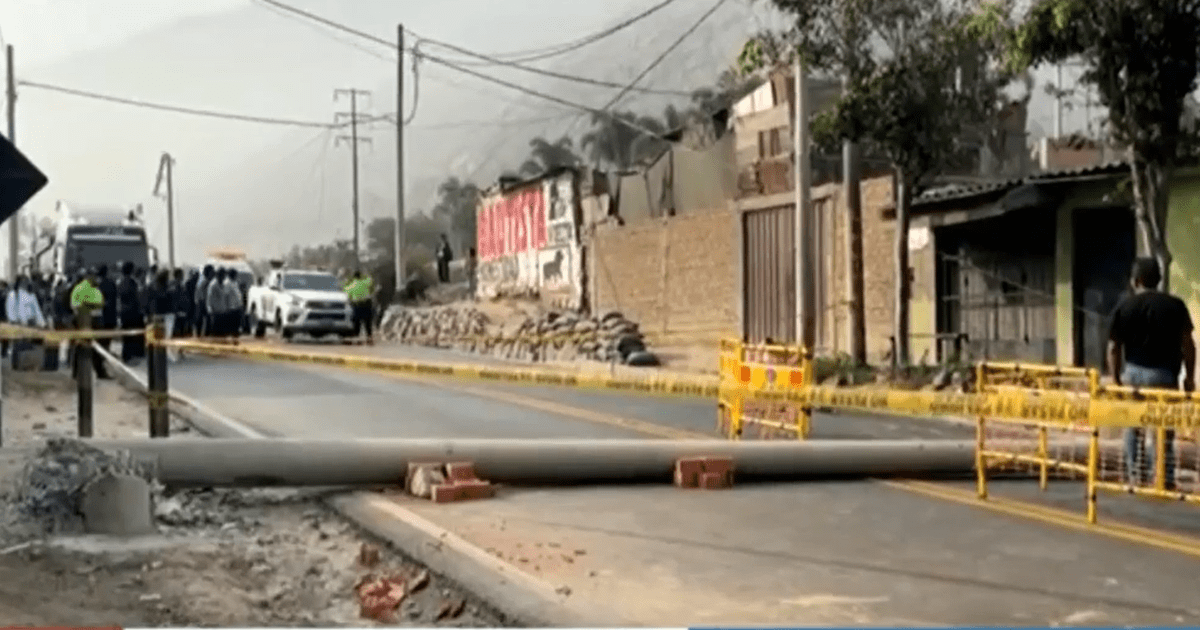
(222,557)
(550,336)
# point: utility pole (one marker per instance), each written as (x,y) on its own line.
(354,140)
(399,231)
(14,235)
(806,330)
(166,175)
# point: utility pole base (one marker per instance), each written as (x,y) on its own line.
(118,505)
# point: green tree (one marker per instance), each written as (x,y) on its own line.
(545,156)
(899,59)
(1143,57)
(456,206)
(618,146)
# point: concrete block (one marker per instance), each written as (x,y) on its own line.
(422,478)
(118,505)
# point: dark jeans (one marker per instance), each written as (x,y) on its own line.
(1139,461)
(364,318)
(443,270)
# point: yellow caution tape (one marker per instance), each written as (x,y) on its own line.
(13,332)
(1015,404)
(680,386)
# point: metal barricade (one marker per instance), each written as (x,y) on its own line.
(763,390)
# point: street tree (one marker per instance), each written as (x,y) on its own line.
(545,156)
(1143,58)
(899,60)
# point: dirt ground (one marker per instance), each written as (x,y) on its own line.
(221,558)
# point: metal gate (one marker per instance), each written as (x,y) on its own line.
(769,280)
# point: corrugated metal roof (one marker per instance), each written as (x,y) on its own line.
(965,191)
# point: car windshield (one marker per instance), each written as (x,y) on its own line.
(310,282)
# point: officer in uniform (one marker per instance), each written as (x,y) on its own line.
(361,292)
(87,302)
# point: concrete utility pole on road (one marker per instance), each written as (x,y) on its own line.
(354,140)
(166,175)
(399,231)
(14,235)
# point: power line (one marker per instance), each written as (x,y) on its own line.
(492,61)
(514,86)
(670,49)
(539,54)
(178,109)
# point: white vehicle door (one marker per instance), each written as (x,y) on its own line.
(272,289)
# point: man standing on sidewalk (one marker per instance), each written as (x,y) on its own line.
(1150,339)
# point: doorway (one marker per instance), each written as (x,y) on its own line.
(1105,247)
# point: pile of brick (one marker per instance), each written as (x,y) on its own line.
(551,336)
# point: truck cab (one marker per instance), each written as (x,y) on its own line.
(292,301)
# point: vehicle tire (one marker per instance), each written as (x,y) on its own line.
(257,325)
(286,334)
(317,336)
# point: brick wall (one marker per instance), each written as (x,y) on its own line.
(878,272)
(672,275)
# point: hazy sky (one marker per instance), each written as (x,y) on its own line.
(264,187)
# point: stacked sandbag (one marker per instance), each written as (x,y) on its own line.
(551,336)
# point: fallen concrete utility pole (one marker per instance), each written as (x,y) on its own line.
(296,462)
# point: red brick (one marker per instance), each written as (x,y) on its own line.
(464,491)
(687,473)
(460,471)
(716,481)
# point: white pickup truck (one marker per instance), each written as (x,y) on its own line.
(299,301)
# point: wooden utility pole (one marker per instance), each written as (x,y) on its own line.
(14,235)
(399,231)
(806,329)
(354,140)
(166,170)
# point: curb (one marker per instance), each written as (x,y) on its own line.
(519,597)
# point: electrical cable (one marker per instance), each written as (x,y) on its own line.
(516,66)
(670,49)
(514,86)
(178,109)
(340,40)
(416,85)
(539,54)
(547,73)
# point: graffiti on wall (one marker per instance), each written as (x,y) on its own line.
(528,242)
(512,223)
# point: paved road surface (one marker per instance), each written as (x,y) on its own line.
(323,402)
(843,554)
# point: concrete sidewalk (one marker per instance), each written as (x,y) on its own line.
(854,553)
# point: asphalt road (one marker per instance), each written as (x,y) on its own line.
(302,401)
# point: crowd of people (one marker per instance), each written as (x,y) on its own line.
(208,302)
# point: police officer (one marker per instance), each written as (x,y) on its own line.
(360,290)
(87,303)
